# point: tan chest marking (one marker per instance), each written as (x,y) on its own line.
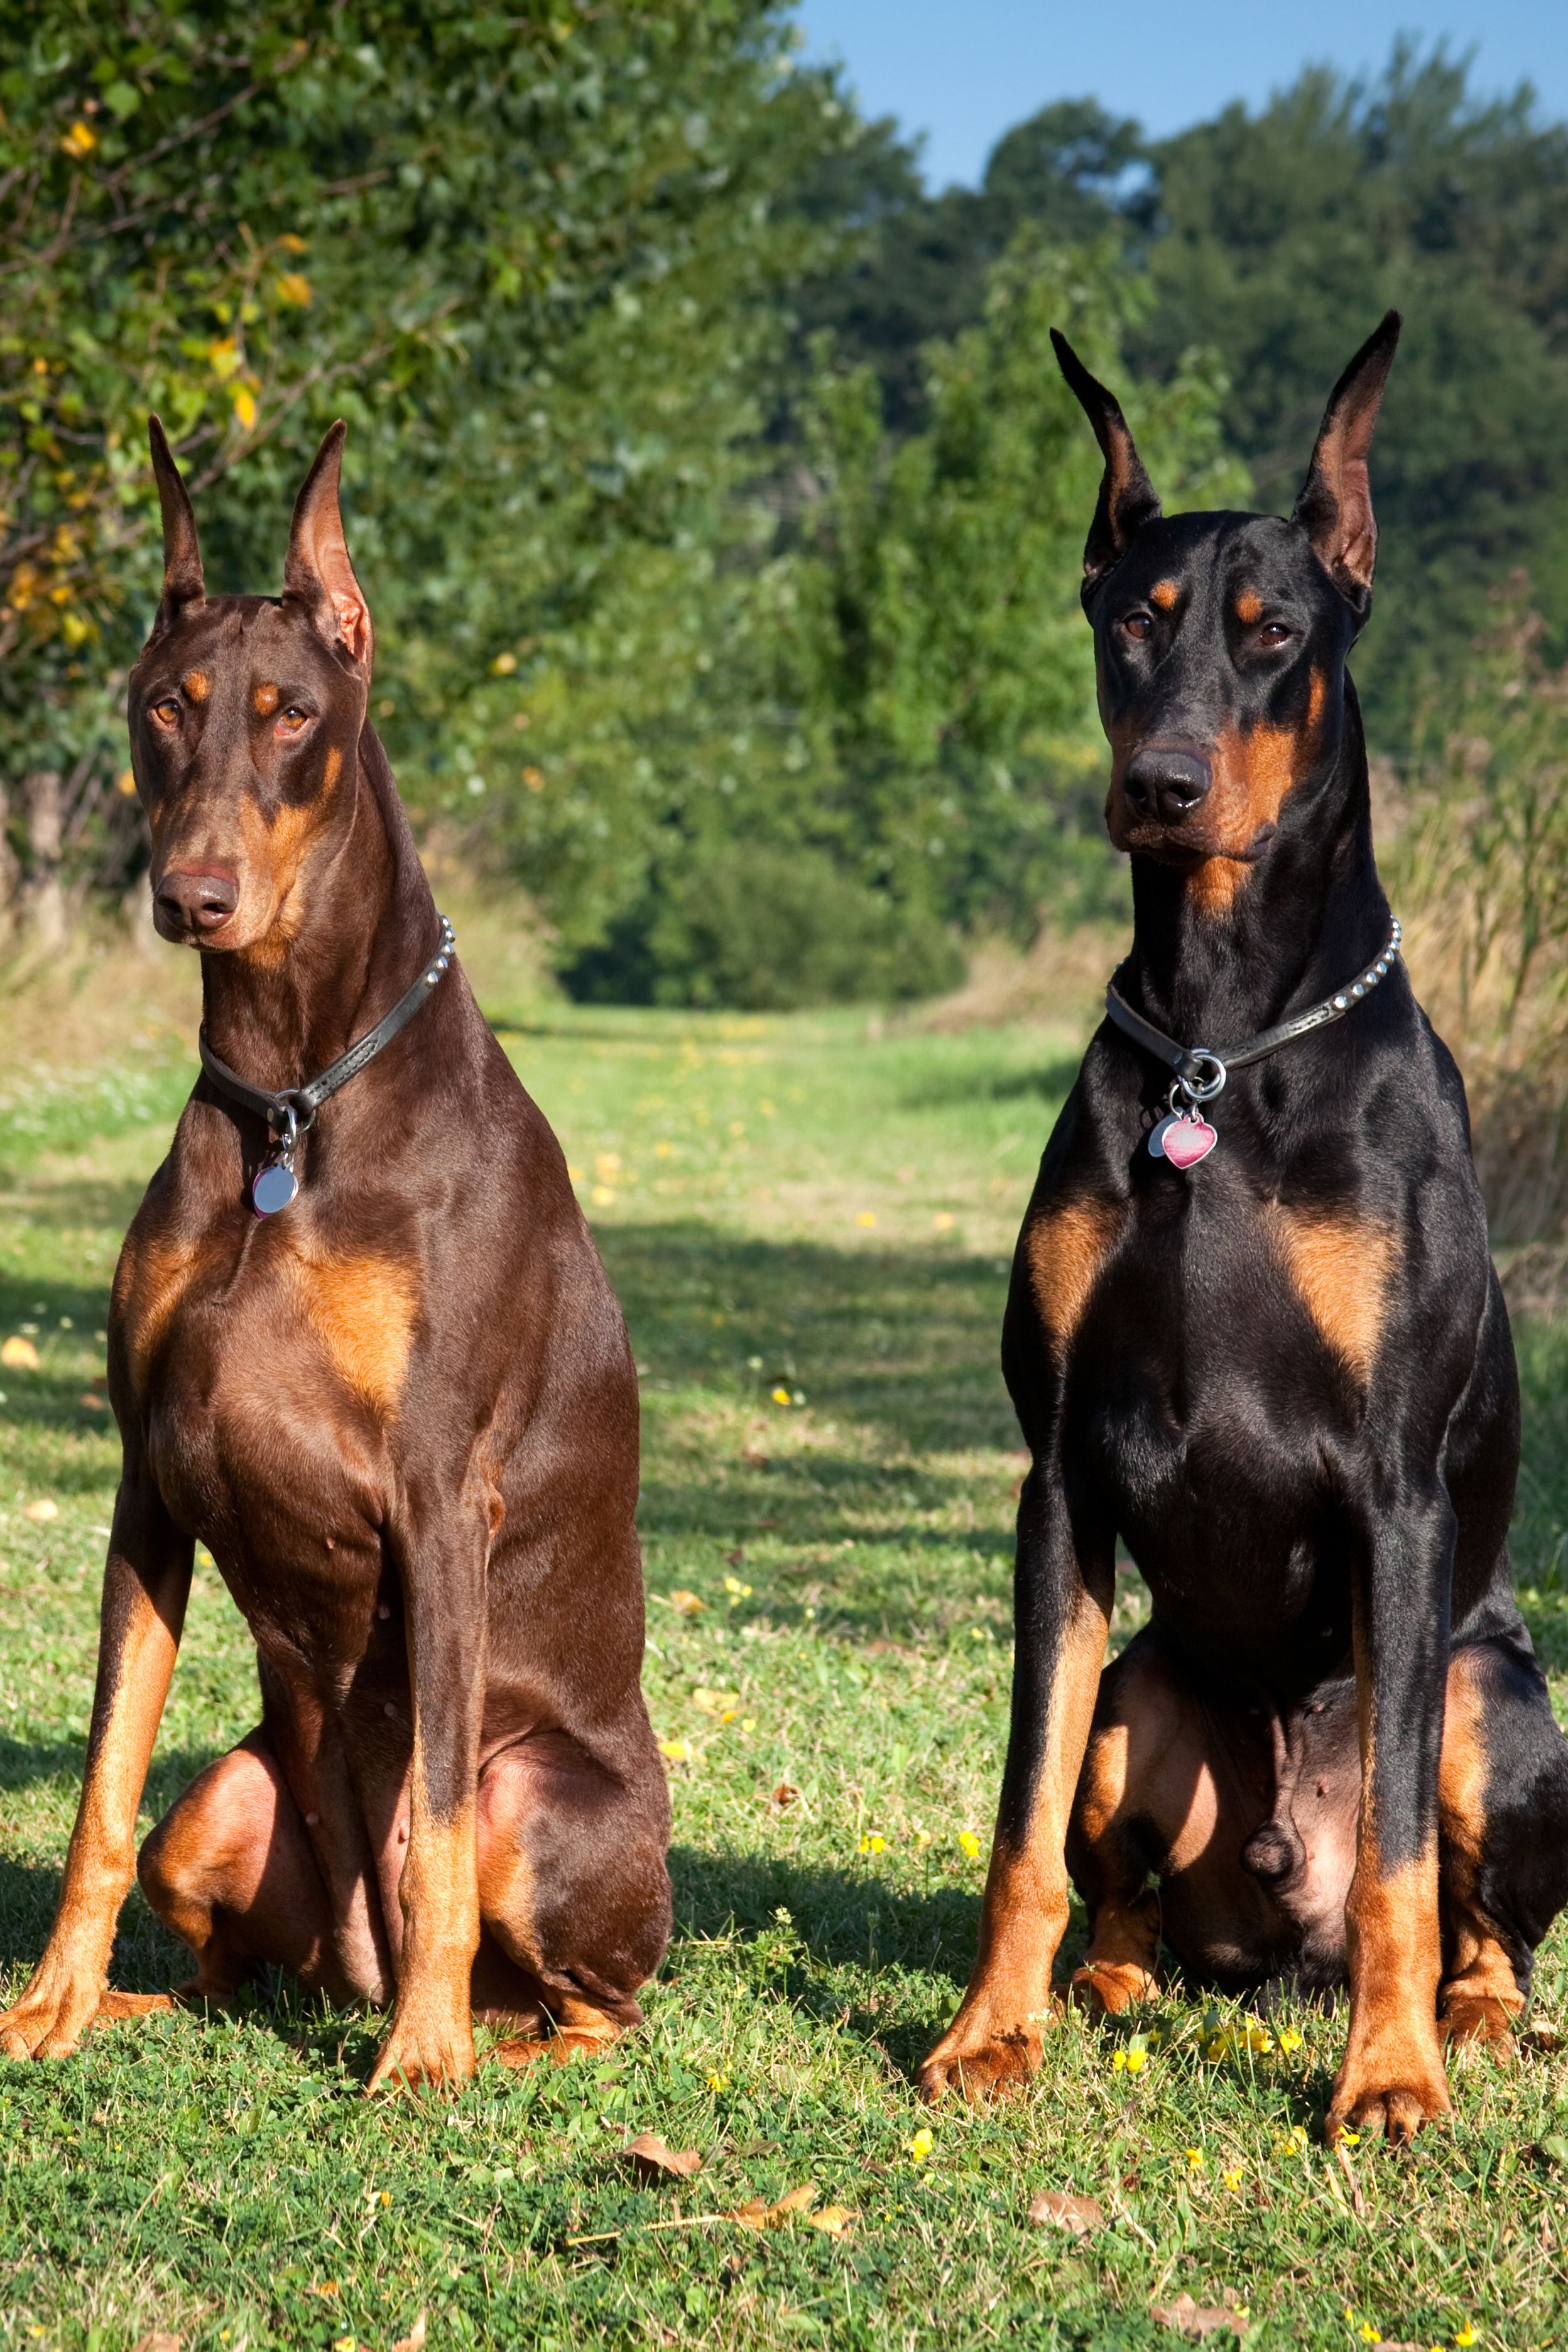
(361,1310)
(1068,1246)
(149,1281)
(1341,1268)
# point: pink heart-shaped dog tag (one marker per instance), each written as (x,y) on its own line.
(1188,1140)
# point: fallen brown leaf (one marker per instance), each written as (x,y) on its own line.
(1056,2208)
(414,2339)
(751,2215)
(92,1401)
(1194,2320)
(46,1507)
(652,2158)
(836,2220)
(793,2201)
(783,1796)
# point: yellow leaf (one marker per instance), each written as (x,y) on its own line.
(125,781)
(44,1508)
(293,286)
(688,1604)
(80,140)
(245,407)
(793,2201)
(19,1355)
(675,1751)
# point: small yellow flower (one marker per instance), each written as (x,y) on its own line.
(718,2082)
(866,1217)
(574,1173)
(602,1196)
(1136,2061)
(1347,2138)
(1290,2039)
(872,1844)
(78,142)
(294,286)
(343,2344)
(969,1845)
(1119,2063)
(1256,2038)
(675,1751)
(944,1221)
(1369,2334)
(503,665)
(1194,2160)
(386,2196)
(1232,2177)
(1467,2335)
(920,2145)
(736,1590)
(245,407)
(780,1396)
(748,1723)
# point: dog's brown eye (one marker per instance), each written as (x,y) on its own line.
(1273,633)
(292,718)
(1138,626)
(167,713)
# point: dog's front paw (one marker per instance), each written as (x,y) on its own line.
(1394,2093)
(980,2061)
(1105,1987)
(424,2048)
(57,2009)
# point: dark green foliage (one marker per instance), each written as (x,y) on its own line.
(1282,237)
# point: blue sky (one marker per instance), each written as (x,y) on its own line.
(964,70)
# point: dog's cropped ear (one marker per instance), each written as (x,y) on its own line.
(317,569)
(1127,498)
(184,585)
(1335,505)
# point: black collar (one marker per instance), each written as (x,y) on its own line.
(293,1110)
(1201,1072)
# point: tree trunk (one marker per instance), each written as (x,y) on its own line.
(43,894)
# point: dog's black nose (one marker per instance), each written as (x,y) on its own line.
(1166,781)
(196,899)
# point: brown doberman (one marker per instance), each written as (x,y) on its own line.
(1256,1335)
(400,1413)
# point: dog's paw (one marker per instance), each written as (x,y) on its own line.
(1395,2098)
(1480,2021)
(422,2051)
(981,2063)
(1105,1987)
(55,2011)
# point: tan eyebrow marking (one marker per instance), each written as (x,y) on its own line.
(195,685)
(1250,607)
(1164,594)
(266,700)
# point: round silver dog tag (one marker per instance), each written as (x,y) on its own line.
(274,1188)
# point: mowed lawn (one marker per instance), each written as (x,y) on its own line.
(809,1222)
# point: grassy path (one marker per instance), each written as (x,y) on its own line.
(809,1227)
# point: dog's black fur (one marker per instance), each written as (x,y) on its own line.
(1284,1379)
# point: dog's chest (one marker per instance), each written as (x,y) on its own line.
(267,1368)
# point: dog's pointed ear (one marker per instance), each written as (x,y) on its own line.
(317,569)
(1335,505)
(1127,497)
(184,585)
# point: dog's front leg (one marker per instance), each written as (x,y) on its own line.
(146,1584)
(1061,1606)
(443,1555)
(1393,2077)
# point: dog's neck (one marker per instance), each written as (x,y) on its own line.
(280,1013)
(1303,921)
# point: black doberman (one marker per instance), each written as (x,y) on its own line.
(401,1412)
(1264,1346)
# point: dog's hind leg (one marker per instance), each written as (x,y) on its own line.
(230,1869)
(572,1889)
(1503,1829)
(1167,1788)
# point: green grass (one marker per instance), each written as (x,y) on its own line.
(795,1207)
